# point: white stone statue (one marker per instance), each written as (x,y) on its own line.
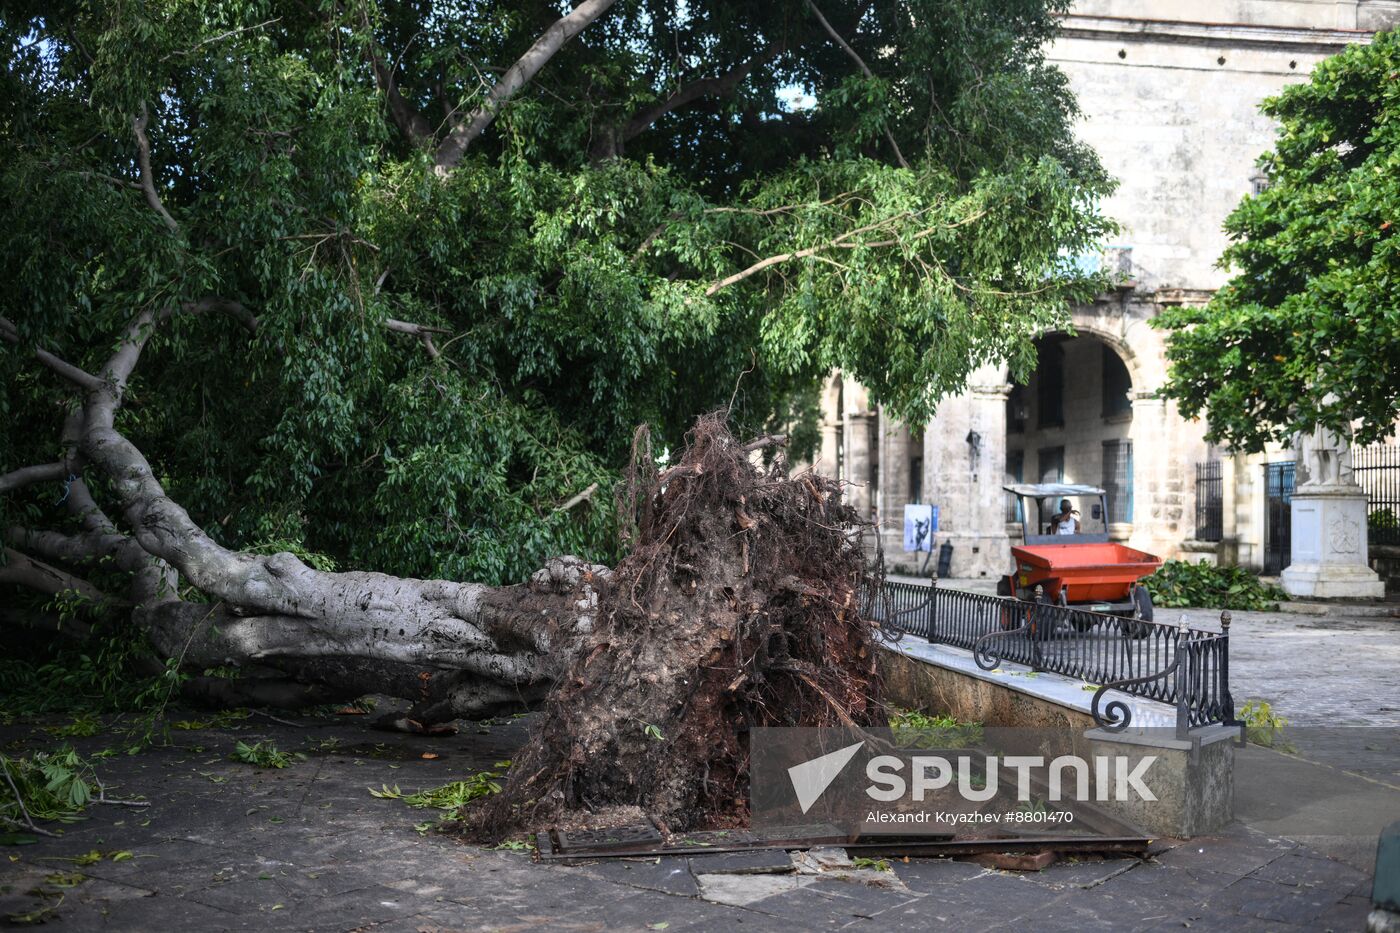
(1327,457)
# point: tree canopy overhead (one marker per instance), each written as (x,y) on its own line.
(404,276)
(1307,331)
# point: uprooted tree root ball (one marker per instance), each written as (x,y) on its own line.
(738,606)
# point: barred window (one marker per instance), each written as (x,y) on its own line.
(1118,480)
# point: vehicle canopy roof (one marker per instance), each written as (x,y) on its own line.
(1043,490)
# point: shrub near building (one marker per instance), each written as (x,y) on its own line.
(1181,584)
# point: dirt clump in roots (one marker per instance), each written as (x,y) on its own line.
(737,606)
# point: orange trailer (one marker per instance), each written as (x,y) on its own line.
(1082,568)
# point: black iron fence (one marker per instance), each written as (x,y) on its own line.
(1377,470)
(1210,501)
(1185,668)
(1279,480)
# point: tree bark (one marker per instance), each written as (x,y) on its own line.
(455,649)
(465,132)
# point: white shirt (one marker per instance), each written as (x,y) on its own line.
(1067,526)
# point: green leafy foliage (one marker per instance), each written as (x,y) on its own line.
(914,729)
(223,719)
(875,864)
(52,786)
(264,755)
(1383,519)
(82,726)
(111,671)
(452,796)
(1182,584)
(1307,330)
(586,269)
(1263,726)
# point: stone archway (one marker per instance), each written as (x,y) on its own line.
(1072,422)
(1154,447)
(960,456)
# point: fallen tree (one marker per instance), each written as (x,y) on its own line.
(456,649)
(400,284)
(736,606)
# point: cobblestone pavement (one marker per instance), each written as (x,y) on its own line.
(225,846)
(1315,664)
(1340,669)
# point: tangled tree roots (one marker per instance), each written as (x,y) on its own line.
(738,606)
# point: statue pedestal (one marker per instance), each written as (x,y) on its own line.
(1329,545)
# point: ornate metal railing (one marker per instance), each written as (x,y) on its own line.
(1183,667)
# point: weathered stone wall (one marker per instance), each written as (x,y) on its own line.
(1170,91)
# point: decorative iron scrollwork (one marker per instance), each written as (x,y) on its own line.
(988,660)
(1118,714)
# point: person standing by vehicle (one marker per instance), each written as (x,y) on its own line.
(1065,522)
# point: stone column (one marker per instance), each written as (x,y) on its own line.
(1151,461)
(861,451)
(1329,543)
(964,460)
(827,462)
(894,493)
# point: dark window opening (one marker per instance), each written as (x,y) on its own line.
(1210,501)
(1118,479)
(1117,385)
(916,464)
(1015,473)
(1051,461)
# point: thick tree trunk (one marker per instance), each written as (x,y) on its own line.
(454,649)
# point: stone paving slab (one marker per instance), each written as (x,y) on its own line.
(308,848)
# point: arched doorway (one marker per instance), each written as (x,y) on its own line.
(1071,422)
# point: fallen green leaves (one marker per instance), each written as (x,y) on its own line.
(264,755)
(1181,584)
(913,729)
(448,796)
(45,786)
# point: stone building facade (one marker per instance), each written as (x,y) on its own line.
(1170,91)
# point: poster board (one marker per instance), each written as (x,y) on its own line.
(920,523)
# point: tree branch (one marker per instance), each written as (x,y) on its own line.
(465,132)
(417,330)
(23,570)
(580,497)
(84,380)
(803,253)
(865,70)
(143,158)
(767,440)
(225,306)
(49,622)
(25,476)
(404,115)
(717,86)
(423,332)
(79,549)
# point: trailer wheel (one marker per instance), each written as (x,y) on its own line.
(1011,616)
(1142,609)
(1080,623)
